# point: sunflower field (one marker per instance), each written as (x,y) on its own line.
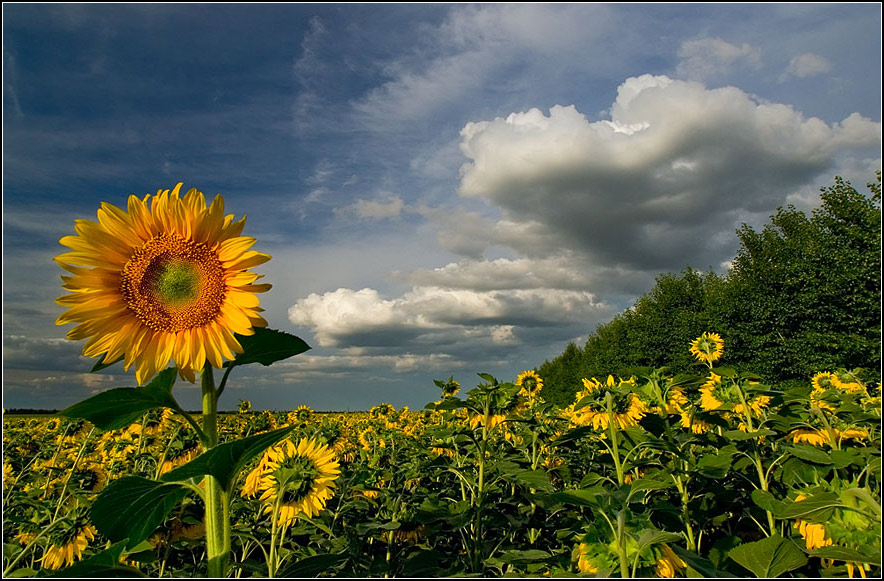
(653,474)
(712,474)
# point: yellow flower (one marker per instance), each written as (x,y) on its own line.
(754,405)
(584,559)
(530,382)
(164,281)
(814,534)
(696,425)
(71,549)
(708,347)
(301,477)
(669,564)
(708,401)
(822,381)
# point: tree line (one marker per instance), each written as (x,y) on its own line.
(803,295)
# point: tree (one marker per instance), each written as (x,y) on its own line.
(804,294)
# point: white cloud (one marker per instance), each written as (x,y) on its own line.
(348,318)
(652,196)
(473,45)
(705,58)
(806,65)
(388,207)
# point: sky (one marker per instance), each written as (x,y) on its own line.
(445,189)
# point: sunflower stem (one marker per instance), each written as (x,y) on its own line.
(615,452)
(217,511)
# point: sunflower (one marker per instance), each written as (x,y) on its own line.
(708,347)
(160,282)
(530,382)
(668,563)
(627,407)
(302,415)
(298,479)
(68,546)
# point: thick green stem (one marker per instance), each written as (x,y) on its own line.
(615,452)
(217,511)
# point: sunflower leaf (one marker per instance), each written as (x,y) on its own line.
(133,507)
(770,557)
(117,408)
(102,364)
(226,460)
(267,346)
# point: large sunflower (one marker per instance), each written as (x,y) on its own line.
(166,280)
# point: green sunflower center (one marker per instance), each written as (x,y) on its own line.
(177,283)
(172,284)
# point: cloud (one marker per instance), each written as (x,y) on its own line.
(473,48)
(806,65)
(433,315)
(389,207)
(706,58)
(653,186)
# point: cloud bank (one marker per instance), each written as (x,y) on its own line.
(587,210)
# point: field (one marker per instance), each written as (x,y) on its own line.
(714,474)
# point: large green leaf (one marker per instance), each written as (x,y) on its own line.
(770,557)
(117,408)
(133,507)
(226,460)
(267,346)
(815,504)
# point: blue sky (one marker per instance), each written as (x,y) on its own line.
(445,189)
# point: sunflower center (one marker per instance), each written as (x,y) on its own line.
(173,284)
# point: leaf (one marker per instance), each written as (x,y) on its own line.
(225,461)
(770,557)
(313,566)
(702,565)
(810,454)
(645,484)
(119,407)
(515,555)
(650,537)
(267,346)
(715,465)
(844,554)
(816,503)
(536,479)
(738,435)
(100,364)
(582,497)
(133,507)
(767,501)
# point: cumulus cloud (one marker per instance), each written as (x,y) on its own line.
(651,187)
(705,58)
(429,315)
(581,210)
(806,65)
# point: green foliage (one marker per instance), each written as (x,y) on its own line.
(803,296)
